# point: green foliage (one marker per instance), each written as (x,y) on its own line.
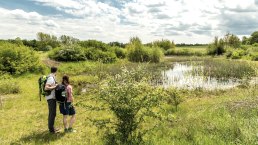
(254,37)
(46,40)
(170,52)
(94,44)
(236,53)
(174,97)
(77,53)
(216,48)
(68,40)
(132,102)
(231,40)
(245,41)
(30,43)
(16,59)
(254,56)
(164,44)
(83,83)
(228,69)
(156,55)
(98,55)
(136,52)
(117,44)
(68,53)
(107,57)
(120,52)
(255,44)
(8,86)
(187,51)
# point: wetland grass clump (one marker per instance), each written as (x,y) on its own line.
(228,69)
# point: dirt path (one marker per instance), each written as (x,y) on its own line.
(50,62)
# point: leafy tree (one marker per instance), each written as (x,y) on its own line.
(231,40)
(16,41)
(217,47)
(136,52)
(164,44)
(245,40)
(118,44)
(132,102)
(68,40)
(30,43)
(254,37)
(46,39)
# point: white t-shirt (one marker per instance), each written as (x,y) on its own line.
(51,81)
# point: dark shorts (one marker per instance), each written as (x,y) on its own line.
(67,108)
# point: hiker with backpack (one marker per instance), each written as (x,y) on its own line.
(49,89)
(64,93)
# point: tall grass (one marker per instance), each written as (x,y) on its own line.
(228,69)
(187,51)
(204,117)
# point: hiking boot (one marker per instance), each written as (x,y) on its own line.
(71,130)
(55,131)
(66,130)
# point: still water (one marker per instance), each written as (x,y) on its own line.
(187,76)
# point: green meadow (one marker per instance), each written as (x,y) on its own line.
(123,95)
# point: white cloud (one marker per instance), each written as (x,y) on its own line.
(60,3)
(180,20)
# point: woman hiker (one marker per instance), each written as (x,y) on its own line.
(67,108)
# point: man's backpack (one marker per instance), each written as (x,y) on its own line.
(60,93)
(42,83)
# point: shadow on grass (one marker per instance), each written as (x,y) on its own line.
(39,138)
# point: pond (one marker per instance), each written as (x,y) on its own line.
(190,76)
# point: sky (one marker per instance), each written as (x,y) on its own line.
(183,21)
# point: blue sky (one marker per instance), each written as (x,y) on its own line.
(184,21)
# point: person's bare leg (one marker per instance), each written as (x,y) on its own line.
(72,120)
(65,121)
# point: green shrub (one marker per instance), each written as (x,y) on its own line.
(254,56)
(95,44)
(235,55)
(216,48)
(156,55)
(9,86)
(136,52)
(170,52)
(46,48)
(68,53)
(244,47)
(120,52)
(98,55)
(107,57)
(16,59)
(164,44)
(229,53)
(255,44)
(130,101)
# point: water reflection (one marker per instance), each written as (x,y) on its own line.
(189,76)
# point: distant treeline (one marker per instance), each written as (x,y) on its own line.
(184,44)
